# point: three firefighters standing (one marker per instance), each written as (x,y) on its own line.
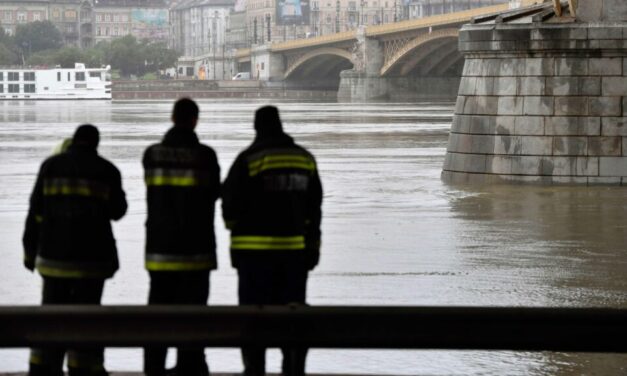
(271,202)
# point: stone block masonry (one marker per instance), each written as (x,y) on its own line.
(542,103)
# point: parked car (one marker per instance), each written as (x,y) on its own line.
(242,76)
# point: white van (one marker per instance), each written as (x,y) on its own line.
(242,76)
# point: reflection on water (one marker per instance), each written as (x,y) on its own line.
(393,234)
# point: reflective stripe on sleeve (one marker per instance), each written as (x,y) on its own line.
(164,262)
(268,242)
(75,187)
(176,177)
(281,161)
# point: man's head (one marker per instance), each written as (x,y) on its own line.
(267,121)
(185,113)
(86,135)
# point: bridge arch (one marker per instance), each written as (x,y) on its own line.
(307,57)
(428,41)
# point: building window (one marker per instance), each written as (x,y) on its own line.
(116,18)
(124,18)
(29,88)
(190,71)
(106,31)
(98,18)
(56,14)
(98,31)
(8,31)
(36,16)
(115,31)
(8,16)
(29,76)
(14,88)
(21,16)
(70,14)
(80,76)
(107,18)
(14,76)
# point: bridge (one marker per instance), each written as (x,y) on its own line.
(401,58)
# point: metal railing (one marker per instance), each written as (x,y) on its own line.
(528,329)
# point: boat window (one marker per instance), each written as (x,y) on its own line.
(1,76)
(68,76)
(58,76)
(14,76)
(80,76)
(29,88)
(14,88)
(94,74)
(1,88)
(29,76)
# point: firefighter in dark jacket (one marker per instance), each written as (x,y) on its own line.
(68,239)
(183,182)
(271,202)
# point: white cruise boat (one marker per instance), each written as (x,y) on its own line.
(55,83)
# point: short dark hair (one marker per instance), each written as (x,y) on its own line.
(87,135)
(185,111)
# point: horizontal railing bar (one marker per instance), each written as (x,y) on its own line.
(493,328)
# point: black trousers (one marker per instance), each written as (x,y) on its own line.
(273,286)
(49,361)
(189,287)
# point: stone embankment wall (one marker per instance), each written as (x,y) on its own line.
(543,103)
(172,89)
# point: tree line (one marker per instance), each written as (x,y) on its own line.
(40,43)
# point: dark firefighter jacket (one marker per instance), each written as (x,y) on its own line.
(68,229)
(271,203)
(183,182)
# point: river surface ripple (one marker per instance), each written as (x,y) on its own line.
(393,233)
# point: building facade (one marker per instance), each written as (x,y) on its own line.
(73,18)
(198,30)
(426,8)
(143,19)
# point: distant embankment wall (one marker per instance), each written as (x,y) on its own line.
(172,89)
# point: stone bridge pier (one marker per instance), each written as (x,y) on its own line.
(543,97)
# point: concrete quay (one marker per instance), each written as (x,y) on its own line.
(198,89)
(541,103)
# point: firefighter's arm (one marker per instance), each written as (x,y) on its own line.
(313,220)
(30,240)
(232,194)
(117,200)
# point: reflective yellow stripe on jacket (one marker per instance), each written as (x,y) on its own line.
(268,242)
(75,187)
(163,262)
(176,177)
(68,269)
(278,161)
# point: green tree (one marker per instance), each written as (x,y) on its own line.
(8,56)
(67,56)
(37,36)
(125,54)
(158,56)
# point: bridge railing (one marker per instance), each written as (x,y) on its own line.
(529,329)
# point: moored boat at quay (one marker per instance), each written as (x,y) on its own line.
(55,83)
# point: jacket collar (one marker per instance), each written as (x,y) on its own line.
(180,136)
